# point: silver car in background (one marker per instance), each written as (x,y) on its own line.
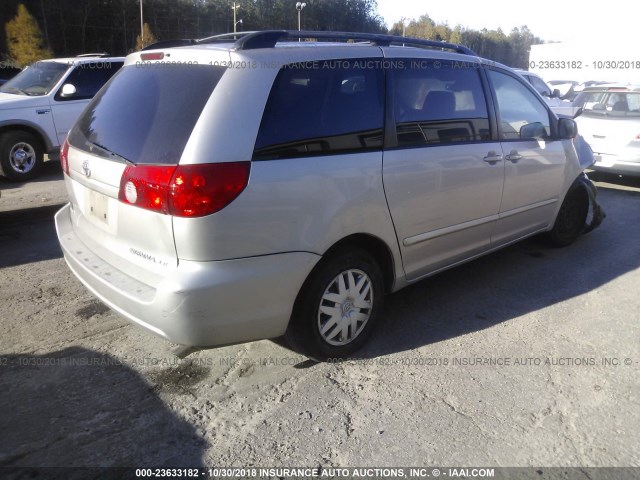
(610,123)
(228,190)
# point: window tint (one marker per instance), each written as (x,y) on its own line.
(439,103)
(322,108)
(518,107)
(146,114)
(88,78)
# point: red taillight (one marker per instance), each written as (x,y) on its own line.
(147,186)
(184,190)
(64,156)
(198,190)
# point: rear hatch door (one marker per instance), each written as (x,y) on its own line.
(142,117)
(607,134)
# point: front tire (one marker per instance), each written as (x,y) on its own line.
(571,218)
(21,156)
(338,306)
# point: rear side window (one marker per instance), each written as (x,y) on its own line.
(88,78)
(146,114)
(439,103)
(523,115)
(323,108)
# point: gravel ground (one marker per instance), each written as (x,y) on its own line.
(46,190)
(527,357)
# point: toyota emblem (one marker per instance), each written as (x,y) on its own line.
(86,169)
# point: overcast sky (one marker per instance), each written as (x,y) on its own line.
(550,20)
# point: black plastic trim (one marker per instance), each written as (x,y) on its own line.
(269,39)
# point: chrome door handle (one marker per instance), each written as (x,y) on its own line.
(514,156)
(492,158)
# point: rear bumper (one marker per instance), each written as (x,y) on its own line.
(628,164)
(199,304)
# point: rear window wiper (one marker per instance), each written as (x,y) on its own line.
(109,153)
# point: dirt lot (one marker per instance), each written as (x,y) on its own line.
(527,357)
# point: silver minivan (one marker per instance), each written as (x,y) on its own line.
(246,187)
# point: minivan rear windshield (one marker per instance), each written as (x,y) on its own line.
(611,104)
(145,114)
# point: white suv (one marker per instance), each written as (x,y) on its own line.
(229,191)
(40,104)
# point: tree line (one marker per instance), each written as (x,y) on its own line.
(70,27)
(512,49)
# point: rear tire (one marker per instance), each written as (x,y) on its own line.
(21,156)
(571,218)
(338,306)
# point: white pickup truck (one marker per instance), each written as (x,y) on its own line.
(40,104)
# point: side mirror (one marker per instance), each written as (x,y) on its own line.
(567,129)
(68,90)
(533,130)
(556,93)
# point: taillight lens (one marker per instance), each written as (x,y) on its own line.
(184,190)
(198,190)
(147,186)
(64,156)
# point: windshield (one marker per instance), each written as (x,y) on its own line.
(612,104)
(38,79)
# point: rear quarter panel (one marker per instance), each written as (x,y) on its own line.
(303,204)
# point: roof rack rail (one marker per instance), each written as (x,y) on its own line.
(269,38)
(103,54)
(224,37)
(170,43)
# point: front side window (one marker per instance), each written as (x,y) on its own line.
(436,103)
(88,78)
(323,108)
(522,114)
